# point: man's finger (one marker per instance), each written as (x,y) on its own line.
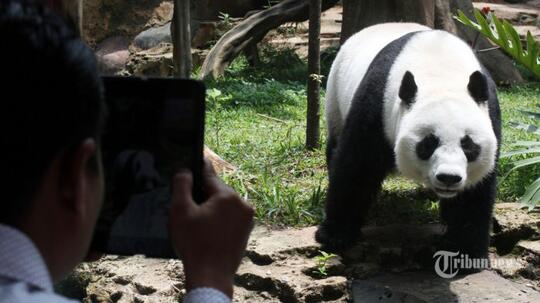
(182,187)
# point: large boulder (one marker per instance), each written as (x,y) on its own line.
(153,36)
(109,18)
(156,61)
(112,55)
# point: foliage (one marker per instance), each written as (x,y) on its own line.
(321,261)
(505,36)
(225,19)
(531,151)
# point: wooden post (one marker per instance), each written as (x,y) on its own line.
(181,35)
(314,78)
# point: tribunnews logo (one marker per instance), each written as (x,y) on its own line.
(448,263)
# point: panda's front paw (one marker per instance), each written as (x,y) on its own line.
(335,237)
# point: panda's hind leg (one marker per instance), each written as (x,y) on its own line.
(468,219)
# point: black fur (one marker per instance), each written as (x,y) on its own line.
(362,158)
(426,147)
(478,87)
(408,89)
(471,149)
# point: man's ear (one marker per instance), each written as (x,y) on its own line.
(76,175)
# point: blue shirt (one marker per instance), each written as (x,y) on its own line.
(25,278)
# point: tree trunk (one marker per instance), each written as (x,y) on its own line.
(360,14)
(434,13)
(181,37)
(314,81)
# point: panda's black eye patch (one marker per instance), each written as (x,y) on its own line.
(471,149)
(426,147)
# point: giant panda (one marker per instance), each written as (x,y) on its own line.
(401,95)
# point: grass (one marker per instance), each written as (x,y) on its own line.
(256,121)
(513,102)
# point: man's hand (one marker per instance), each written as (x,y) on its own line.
(210,238)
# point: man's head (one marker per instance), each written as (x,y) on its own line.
(51,119)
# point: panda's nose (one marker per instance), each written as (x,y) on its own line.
(448,179)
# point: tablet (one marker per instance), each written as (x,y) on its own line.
(154,127)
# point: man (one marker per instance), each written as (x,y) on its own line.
(51,119)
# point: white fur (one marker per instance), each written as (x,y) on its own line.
(441,64)
(351,64)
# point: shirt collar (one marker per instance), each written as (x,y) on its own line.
(20,260)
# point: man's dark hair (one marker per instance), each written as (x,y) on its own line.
(51,98)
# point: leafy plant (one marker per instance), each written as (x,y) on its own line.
(225,19)
(527,148)
(321,261)
(503,34)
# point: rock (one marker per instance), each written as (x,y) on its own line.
(153,36)
(398,247)
(112,55)
(161,14)
(205,32)
(109,18)
(281,266)
(285,281)
(266,246)
(515,14)
(532,246)
(485,286)
(525,17)
(522,31)
(157,62)
(512,223)
(508,266)
(130,279)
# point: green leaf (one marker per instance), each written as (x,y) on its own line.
(531,190)
(513,48)
(501,33)
(486,29)
(505,36)
(532,195)
(466,21)
(533,52)
(516,41)
(526,143)
(526,162)
(520,152)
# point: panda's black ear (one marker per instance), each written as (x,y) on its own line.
(408,89)
(478,87)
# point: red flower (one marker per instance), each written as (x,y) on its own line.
(486,10)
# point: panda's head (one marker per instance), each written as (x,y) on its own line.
(445,138)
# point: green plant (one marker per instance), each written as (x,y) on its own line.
(225,19)
(506,37)
(527,148)
(321,262)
